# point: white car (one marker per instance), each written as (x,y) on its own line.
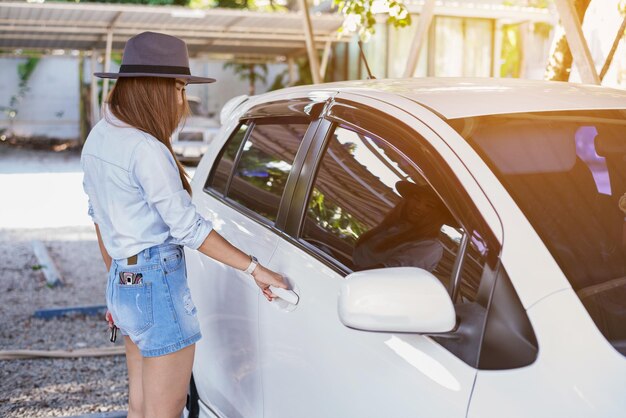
(191,140)
(454,248)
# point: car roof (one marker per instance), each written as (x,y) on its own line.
(466,97)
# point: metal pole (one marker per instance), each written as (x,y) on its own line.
(310,43)
(496,54)
(291,66)
(524,30)
(107,65)
(95,108)
(426,17)
(609,58)
(577,43)
(325,57)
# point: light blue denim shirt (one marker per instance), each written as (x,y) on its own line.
(135,193)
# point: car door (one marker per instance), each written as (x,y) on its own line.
(313,366)
(243,195)
(242,198)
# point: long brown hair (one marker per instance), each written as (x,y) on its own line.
(150,104)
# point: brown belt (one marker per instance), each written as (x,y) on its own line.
(132,260)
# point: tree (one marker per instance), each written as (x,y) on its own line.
(560,60)
(359,15)
(249,72)
(152,2)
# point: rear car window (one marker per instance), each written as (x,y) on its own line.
(263,166)
(224,163)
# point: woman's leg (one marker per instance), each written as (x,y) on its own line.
(135,387)
(165,383)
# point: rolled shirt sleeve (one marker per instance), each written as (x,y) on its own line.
(155,171)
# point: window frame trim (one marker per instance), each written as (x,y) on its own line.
(287,196)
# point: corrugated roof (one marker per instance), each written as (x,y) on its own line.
(213,31)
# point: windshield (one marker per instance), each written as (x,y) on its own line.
(567,172)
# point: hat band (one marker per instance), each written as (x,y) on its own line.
(155,69)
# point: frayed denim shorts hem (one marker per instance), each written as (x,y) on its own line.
(156,312)
(172,347)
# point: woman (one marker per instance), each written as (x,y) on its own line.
(139,200)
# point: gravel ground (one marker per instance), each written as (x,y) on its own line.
(54,387)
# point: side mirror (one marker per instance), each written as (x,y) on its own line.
(399,299)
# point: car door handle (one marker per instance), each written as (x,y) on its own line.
(285,294)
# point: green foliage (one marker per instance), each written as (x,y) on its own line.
(249,72)
(24,70)
(150,2)
(332,218)
(303,73)
(359,15)
(236,4)
(539,4)
(511,52)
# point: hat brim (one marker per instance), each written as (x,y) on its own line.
(191,79)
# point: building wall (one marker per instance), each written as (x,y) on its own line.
(50,107)
(454,47)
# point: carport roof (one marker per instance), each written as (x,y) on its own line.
(211,31)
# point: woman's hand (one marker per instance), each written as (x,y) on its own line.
(265,278)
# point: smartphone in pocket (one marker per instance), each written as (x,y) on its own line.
(128,278)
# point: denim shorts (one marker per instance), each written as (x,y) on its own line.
(158,313)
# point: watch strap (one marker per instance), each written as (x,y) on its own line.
(253,263)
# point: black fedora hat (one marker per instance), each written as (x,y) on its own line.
(152,54)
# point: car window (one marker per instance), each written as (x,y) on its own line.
(263,166)
(371,208)
(224,163)
(566,172)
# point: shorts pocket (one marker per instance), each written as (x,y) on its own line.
(133,307)
(173,259)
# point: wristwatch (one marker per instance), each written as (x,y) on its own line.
(253,263)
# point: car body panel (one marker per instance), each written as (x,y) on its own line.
(229,315)
(454,97)
(577,374)
(307,369)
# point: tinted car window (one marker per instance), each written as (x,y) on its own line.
(370,208)
(566,172)
(224,165)
(264,165)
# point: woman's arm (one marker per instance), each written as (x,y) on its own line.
(215,246)
(105,255)
(107,262)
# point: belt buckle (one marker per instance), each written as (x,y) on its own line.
(132,260)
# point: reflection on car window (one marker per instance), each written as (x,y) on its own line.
(370,208)
(221,172)
(566,171)
(262,170)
